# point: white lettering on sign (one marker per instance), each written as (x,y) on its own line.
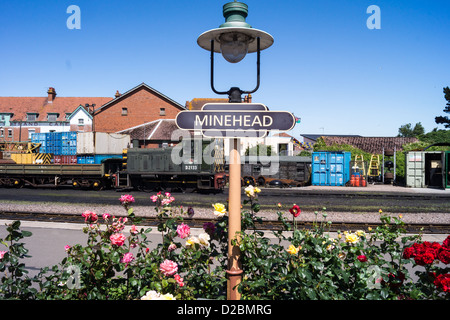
(233,120)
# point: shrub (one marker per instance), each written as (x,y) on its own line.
(295,264)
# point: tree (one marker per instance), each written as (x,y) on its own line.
(445,120)
(408,132)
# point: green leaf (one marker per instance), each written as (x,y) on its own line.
(384,293)
(256,207)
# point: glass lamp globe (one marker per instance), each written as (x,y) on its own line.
(234,46)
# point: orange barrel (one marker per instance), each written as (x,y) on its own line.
(363,182)
(357,181)
(352,180)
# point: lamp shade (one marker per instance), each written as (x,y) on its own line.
(235,38)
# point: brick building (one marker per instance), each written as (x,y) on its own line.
(135,107)
(22,116)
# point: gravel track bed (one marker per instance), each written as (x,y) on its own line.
(205,213)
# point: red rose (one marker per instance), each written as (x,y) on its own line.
(425,258)
(362,258)
(444,256)
(446,243)
(442,282)
(408,253)
(433,247)
(419,248)
(295,210)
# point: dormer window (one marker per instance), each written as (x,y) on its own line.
(52,117)
(32,116)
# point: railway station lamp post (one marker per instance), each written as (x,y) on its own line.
(234,39)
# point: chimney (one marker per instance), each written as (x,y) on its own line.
(117,94)
(51,94)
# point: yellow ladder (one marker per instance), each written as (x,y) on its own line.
(374,167)
(359,164)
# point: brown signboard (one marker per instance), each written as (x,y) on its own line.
(231,120)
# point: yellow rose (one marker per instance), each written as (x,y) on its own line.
(351,238)
(250,191)
(360,233)
(292,249)
(219,209)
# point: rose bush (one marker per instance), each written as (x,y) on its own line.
(119,262)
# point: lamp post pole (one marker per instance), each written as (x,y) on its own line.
(234,270)
(234,39)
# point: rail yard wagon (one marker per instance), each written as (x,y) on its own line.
(282,171)
(96,176)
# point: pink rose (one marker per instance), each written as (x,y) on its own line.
(126,199)
(67,247)
(179,280)
(106,216)
(127,258)
(154,198)
(2,253)
(133,229)
(117,239)
(89,216)
(362,258)
(167,200)
(183,231)
(168,267)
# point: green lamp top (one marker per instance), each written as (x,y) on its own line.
(235,14)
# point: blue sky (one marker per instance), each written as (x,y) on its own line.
(325,66)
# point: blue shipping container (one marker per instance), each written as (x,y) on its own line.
(58,143)
(330,168)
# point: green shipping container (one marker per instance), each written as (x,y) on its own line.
(426,169)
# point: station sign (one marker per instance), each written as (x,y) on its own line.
(231,120)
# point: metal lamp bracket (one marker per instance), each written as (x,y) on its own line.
(235,94)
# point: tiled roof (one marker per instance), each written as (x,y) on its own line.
(317,136)
(198,103)
(20,106)
(283,134)
(156,130)
(373,145)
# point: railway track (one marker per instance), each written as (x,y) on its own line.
(439,228)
